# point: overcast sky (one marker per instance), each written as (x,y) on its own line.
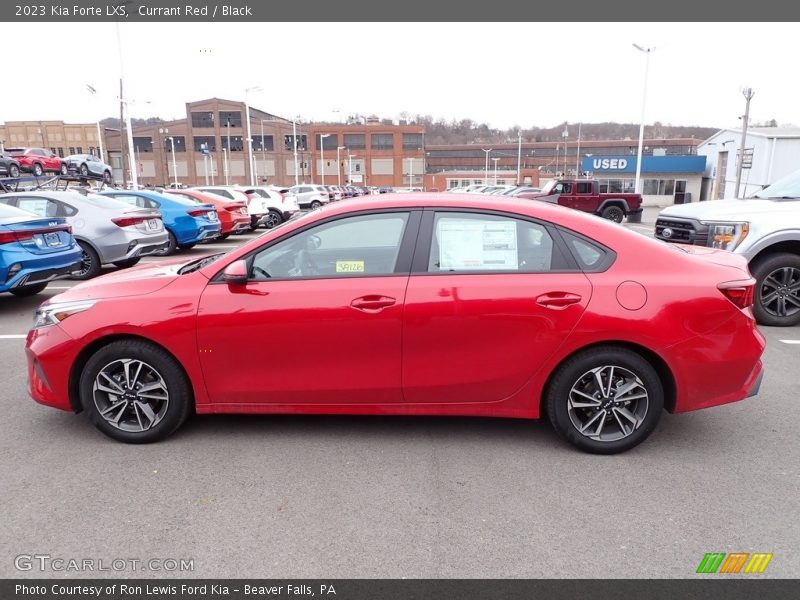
(503,74)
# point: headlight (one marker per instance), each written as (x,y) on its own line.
(53,314)
(726,236)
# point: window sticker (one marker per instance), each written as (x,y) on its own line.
(349,266)
(468,244)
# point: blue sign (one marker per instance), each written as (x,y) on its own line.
(650,164)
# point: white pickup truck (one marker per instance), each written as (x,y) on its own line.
(764,228)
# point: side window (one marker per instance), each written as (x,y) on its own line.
(365,245)
(133,200)
(584,187)
(41,206)
(567,188)
(486,243)
(590,256)
(65,210)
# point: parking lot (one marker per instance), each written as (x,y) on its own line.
(317,496)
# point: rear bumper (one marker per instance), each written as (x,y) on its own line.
(123,245)
(757,384)
(37,269)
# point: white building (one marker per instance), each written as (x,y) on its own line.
(770,153)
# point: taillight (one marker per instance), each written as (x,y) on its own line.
(740,293)
(128,221)
(200,212)
(7,237)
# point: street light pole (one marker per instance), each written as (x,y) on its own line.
(294,140)
(410,172)
(349,168)
(748,94)
(495,169)
(519,159)
(322,137)
(339,165)
(647,52)
(578,153)
(174,163)
(565,135)
(93,92)
(486,170)
(249,135)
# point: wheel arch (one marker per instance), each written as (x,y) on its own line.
(86,353)
(621,202)
(658,363)
(789,246)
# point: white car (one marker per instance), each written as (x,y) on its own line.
(281,207)
(308,195)
(257,207)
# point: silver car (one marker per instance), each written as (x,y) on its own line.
(108,231)
(88,164)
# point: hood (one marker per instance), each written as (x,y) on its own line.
(136,281)
(729,210)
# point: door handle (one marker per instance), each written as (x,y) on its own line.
(557,300)
(372,303)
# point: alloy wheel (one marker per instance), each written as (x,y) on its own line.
(780,292)
(130,395)
(607,403)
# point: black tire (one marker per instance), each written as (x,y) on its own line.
(84,171)
(613,213)
(178,391)
(107,177)
(187,246)
(129,262)
(28,290)
(224,236)
(37,170)
(315,204)
(273,219)
(63,169)
(13,171)
(90,263)
(776,300)
(172,246)
(575,373)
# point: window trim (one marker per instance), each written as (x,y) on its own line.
(561,253)
(402,265)
(609,258)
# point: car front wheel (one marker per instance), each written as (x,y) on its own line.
(605,400)
(63,169)
(37,170)
(135,392)
(613,213)
(777,297)
(13,171)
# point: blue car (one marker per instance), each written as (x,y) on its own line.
(186,222)
(34,251)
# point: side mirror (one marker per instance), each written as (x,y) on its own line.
(235,273)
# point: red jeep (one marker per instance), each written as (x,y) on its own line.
(38,161)
(584,194)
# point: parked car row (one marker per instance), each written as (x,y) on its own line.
(38,162)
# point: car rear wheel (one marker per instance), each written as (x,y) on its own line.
(90,263)
(135,392)
(28,290)
(84,170)
(107,177)
(37,170)
(13,171)
(187,246)
(605,400)
(613,213)
(129,262)
(63,169)
(315,204)
(172,245)
(273,219)
(777,297)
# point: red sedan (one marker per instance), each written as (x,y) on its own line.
(233,216)
(38,161)
(415,304)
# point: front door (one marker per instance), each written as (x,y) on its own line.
(496,298)
(318,323)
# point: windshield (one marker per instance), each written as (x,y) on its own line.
(549,187)
(785,188)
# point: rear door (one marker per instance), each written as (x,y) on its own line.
(490,298)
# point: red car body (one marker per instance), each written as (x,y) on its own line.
(419,343)
(37,160)
(233,216)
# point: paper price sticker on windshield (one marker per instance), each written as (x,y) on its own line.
(349,266)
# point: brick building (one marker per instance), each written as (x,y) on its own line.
(62,139)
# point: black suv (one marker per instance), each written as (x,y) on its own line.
(8,166)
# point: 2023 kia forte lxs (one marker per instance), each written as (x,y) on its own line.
(411,304)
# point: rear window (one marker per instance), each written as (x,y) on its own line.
(105,201)
(181,199)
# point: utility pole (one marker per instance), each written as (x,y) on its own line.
(121,127)
(748,94)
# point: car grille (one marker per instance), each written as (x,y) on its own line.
(682,231)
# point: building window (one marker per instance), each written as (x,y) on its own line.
(382,141)
(52,150)
(237,144)
(178,140)
(72,149)
(234,117)
(142,144)
(355,141)
(263,143)
(412,141)
(209,140)
(331,142)
(288,142)
(80,150)
(203,119)
(60,152)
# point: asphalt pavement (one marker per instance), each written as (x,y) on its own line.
(320,496)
